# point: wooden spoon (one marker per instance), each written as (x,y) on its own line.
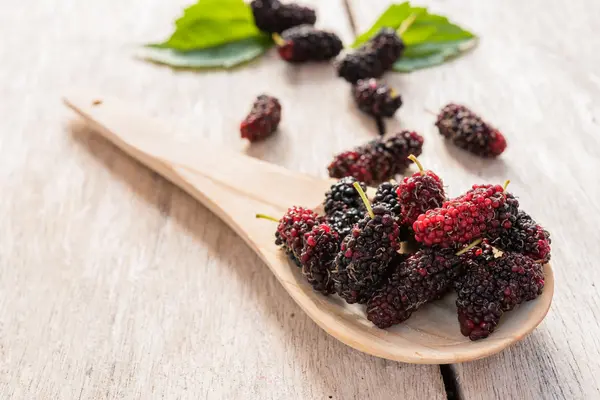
(236,187)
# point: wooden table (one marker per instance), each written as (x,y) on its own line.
(116,284)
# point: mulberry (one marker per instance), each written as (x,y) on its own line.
(291,229)
(365,254)
(525,236)
(343,195)
(376,98)
(305,43)
(375,57)
(386,195)
(273,17)
(425,276)
(321,246)
(263,118)
(419,193)
(379,160)
(463,219)
(490,289)
(342,221)
(468,131)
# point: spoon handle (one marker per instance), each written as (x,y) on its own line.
(233,186)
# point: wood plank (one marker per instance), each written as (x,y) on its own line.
(534,75)
(115,284)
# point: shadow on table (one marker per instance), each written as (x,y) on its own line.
(333,368)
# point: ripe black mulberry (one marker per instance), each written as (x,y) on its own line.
(488,290)
(305,43)
(467,130)
(343,195)
(379,160)
(376,98)
(386,195)
(263,119)
(524,236)
(272,16)
(365,255)
(321,246)
(375,57)
(342,221)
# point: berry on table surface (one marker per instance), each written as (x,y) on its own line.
(489,289)
(373,58)
(465,218)
(365,254)
(272,16)
(468,131)
(305,43)
(378,160)
(422,191)
(376,98)
(291,229)
(321,245)
(263,118)
(342,195)
(524,236)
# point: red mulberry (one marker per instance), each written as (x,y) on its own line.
(379,160)
(291,229)
(376,98)
(263,119)
(305,43)
(468,131)
(321,246)
(419,193)
(273,17)
(374,58)
(463,219)
(488,290)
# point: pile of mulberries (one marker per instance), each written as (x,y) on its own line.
(305,43)
(467,130)
(354,250)
(379,160)
(375,57)
(272,16)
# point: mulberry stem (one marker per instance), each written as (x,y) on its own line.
(364,198)
(406,24)
(263,216)
(469,247)
(506,184)
(414,159)
(278,39)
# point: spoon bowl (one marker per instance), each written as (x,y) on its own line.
(236,187)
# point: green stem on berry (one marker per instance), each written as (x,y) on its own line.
(364,198)
(414,159)
(278,39)
(506,184)
(406,24)
(469,247)
(264,216)
(540,261)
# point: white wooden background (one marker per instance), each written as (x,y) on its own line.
(115,284)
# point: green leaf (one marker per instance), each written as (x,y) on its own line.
(225,56)
(428,55)
(430,40)
(211,23)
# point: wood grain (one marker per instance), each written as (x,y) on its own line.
(534,75)
(116,284)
